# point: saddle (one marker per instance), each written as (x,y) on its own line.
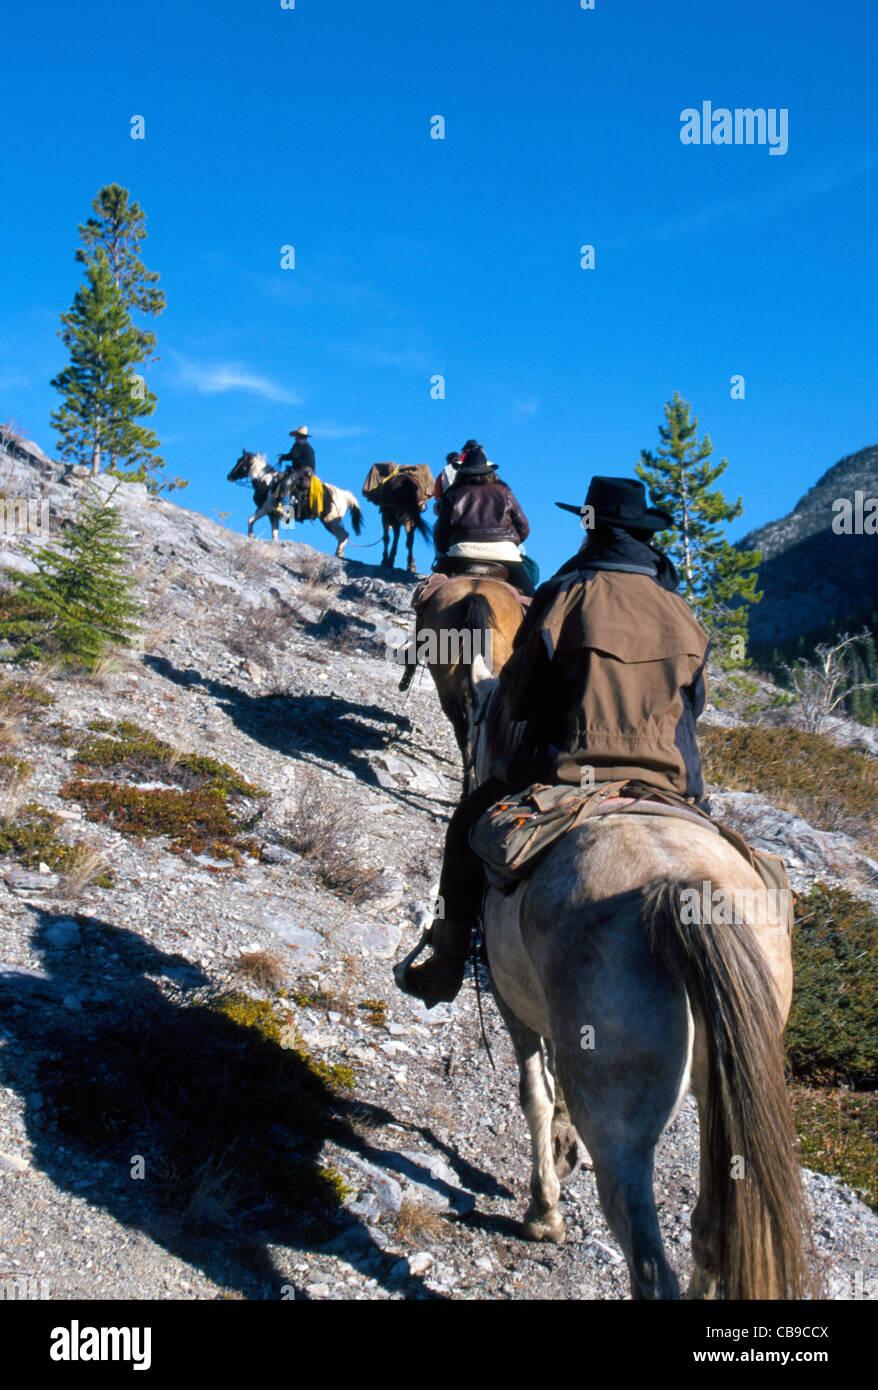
(427,588)
(482,569)
(514,834)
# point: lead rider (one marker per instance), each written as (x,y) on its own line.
(608,671)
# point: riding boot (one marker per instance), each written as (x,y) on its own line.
(438,979)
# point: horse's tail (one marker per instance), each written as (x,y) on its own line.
(748,1143)
(479,620)
(356,514)
(423,529)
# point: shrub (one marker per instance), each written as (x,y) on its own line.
(320,830)
(832,1030)
(834,788)
(836,1130)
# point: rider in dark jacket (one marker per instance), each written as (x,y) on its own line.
(301,469)
(480,520)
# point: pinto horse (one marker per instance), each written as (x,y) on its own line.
(273,489)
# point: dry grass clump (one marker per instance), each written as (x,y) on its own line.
(264,969)
(833,788)
(90,867)
(256,630)
(253,560)
(322,830)
(18,700)
(417,1222)
(318,569)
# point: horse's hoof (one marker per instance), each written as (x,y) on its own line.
(702,1285)
(566,1152)
(548,1225)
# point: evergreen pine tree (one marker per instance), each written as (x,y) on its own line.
(102,402)
(716,579)
(80,599)
(119,228)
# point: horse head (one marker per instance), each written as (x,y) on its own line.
(242,467)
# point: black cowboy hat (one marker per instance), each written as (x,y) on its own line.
(470,444)
(476,462)
(621,502)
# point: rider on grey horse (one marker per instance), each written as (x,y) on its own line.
(608,670)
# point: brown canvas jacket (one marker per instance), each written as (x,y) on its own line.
(608,669)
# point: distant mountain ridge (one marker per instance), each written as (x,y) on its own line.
(814,581)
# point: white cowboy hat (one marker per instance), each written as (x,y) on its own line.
(303,429)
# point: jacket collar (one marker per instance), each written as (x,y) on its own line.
(616,549)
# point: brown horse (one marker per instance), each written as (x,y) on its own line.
(465,617)
(400,503)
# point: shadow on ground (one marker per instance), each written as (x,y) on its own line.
(228,1125)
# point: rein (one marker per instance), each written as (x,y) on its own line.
(477,938)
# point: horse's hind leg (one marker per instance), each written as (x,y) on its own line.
(623,1079)
(543,1219)
(566,1144)
(410,546)
(704,1223)
(336,529)
(392,560)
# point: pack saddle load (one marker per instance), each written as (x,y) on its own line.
(380,473)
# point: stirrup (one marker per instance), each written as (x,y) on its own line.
(400,970)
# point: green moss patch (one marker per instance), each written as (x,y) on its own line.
(127,749)
(375,1011)
(834,788)
(197,820)
(32,837)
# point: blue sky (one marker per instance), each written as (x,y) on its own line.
(460,257)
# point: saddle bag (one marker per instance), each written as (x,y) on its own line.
(514,834)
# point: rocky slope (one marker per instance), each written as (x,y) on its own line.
(273,660)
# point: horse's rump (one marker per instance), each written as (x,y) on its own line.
(607,935)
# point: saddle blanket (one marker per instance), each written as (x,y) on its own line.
(514,834)
(315,498)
